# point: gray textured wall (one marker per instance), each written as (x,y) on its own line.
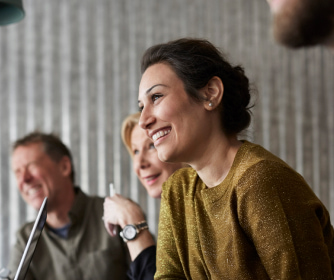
(72,67)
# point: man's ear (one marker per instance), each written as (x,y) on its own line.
(213,93)
(65,166)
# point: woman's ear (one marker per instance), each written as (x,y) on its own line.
(213,93)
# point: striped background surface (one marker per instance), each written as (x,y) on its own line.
(72,67)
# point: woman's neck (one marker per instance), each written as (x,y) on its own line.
(217,160)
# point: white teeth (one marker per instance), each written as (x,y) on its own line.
(32,191)
(160,134)
(151,178)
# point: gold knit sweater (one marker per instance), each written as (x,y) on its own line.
(262,222)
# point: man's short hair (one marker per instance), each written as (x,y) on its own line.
(52,146)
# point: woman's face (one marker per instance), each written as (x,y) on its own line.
(177,124)
(150,170)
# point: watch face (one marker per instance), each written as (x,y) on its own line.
(129,232)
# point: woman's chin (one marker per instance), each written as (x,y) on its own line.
(154,192)
(169,157)
(164,155)
(156,196)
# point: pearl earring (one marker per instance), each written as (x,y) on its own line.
(210,104)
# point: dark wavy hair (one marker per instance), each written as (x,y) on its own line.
(195,62)
(52,146)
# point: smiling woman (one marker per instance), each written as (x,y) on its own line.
(239,212)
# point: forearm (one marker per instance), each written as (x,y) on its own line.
(143,241)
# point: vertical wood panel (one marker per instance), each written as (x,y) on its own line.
(46,57)
(329,132)
(101,91)
(65,70)
(83,100)
(117,51)
(12,114)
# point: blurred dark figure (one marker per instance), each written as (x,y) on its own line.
(303,23)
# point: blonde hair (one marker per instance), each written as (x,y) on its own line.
(127,126)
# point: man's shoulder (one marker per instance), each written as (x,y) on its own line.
(95,200)
(88,198)
(24,231)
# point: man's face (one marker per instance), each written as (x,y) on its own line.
(37,175)
(298,23)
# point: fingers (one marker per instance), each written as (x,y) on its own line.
(116,197)
(111,229)
(121,211)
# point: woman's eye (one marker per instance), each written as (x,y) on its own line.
(152,146)
(135,152)
(155,97)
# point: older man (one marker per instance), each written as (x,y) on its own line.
(74,243)
(303,23)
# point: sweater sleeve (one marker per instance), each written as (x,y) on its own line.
(287,223)
(143,267)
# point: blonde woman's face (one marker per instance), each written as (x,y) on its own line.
(151,172)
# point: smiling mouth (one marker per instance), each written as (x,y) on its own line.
(151,178)
(159,134)
(33,190)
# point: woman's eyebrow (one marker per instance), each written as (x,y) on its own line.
(151,88)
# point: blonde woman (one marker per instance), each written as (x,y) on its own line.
(121,211)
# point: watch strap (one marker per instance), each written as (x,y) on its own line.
(141,226)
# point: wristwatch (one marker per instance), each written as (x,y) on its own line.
(130,232)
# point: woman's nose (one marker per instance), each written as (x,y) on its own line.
(142,161)
(146,119)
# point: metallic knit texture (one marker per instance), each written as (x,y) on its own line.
(262,222)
